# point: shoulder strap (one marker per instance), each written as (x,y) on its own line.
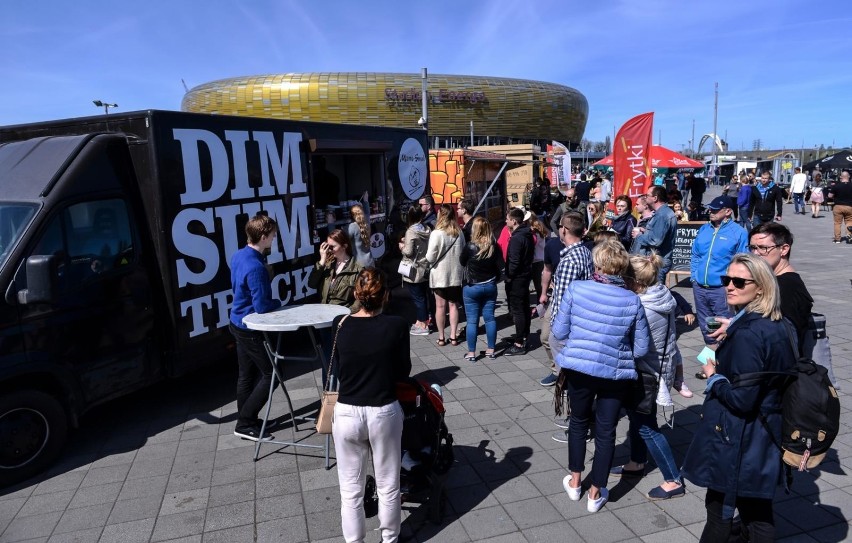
(444,253)
(333,351)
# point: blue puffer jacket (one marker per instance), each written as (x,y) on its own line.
(603,328)
(731,450)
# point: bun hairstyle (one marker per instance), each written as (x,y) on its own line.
(645,269)
(371,289)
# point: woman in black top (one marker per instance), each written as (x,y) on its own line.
(482,261)
(624,221)
(372,354)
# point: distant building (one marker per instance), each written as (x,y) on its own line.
(504,111)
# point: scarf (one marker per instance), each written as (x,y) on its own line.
(616,280)
(763,190)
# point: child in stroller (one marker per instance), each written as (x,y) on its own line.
(427,450)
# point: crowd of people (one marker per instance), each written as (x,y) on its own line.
(608,327)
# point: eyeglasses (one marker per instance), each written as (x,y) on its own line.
(739,282)
(762,249)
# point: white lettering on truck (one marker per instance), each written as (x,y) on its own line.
(207,235)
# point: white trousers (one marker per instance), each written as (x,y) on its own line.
(356,430)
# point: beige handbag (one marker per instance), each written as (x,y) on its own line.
(329,398)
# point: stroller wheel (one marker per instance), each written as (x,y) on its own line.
(371,498)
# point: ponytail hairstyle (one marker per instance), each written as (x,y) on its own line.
(357,213)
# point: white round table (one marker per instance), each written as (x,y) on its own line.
(291,319)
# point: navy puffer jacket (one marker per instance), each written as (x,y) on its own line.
(732,451)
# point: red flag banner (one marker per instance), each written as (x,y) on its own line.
(631,158)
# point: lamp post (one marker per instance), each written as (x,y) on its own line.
(424,99)
(104,105)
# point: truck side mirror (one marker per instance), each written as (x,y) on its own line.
(41,280)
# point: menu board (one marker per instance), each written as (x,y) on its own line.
(682,252)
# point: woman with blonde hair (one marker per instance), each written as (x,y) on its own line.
(359,233)
(603,329)
(446,243)
(596,213)
(644,433)
(733,452)
(482,261)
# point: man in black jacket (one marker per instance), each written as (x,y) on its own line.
(519,258)
(766,197)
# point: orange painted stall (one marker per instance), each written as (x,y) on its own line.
(458,173)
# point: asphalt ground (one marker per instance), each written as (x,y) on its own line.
(163,464)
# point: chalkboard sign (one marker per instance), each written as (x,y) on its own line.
(685,236)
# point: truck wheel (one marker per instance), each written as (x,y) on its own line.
(33,428)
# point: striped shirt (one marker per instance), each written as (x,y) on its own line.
(575,263)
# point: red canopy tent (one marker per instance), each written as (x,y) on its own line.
(662,161)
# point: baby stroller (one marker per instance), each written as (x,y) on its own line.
(427,450)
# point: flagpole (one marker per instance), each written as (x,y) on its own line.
(715,136)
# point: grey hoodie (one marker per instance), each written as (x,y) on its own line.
(660,308)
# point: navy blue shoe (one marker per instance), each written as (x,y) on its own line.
(658,493)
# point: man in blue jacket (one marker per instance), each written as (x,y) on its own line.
(659,234)
(715,245)
(252,294)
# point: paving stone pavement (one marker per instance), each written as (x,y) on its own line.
(163,464)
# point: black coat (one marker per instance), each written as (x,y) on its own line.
(768,206)
(519,256)
(623,224)
(731,450)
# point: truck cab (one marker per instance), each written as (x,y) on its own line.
(77,322)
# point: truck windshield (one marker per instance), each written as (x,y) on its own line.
(14,218)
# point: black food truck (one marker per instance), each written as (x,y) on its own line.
(116,234)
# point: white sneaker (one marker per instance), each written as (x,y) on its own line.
(664,397)
(573,493)
(595,505)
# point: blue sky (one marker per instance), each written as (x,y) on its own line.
(783,66)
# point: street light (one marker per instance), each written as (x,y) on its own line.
(104,105)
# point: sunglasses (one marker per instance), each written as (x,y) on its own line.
(739,282)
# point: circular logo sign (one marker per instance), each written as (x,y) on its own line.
(413,175)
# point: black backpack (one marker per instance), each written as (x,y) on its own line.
(810,411)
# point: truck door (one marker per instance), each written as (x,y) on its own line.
(99,328)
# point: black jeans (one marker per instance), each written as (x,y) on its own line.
(255,374)
(583,390)
(518,292)
(756,514)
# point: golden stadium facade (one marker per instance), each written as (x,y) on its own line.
(503,110)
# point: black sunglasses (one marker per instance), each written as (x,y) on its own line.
(739,282)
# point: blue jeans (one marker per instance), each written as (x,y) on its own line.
(480,299)
(743,220)
(799,202)
(419,295)
(583,389)
(757,221)
(709,302)
(645,437)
